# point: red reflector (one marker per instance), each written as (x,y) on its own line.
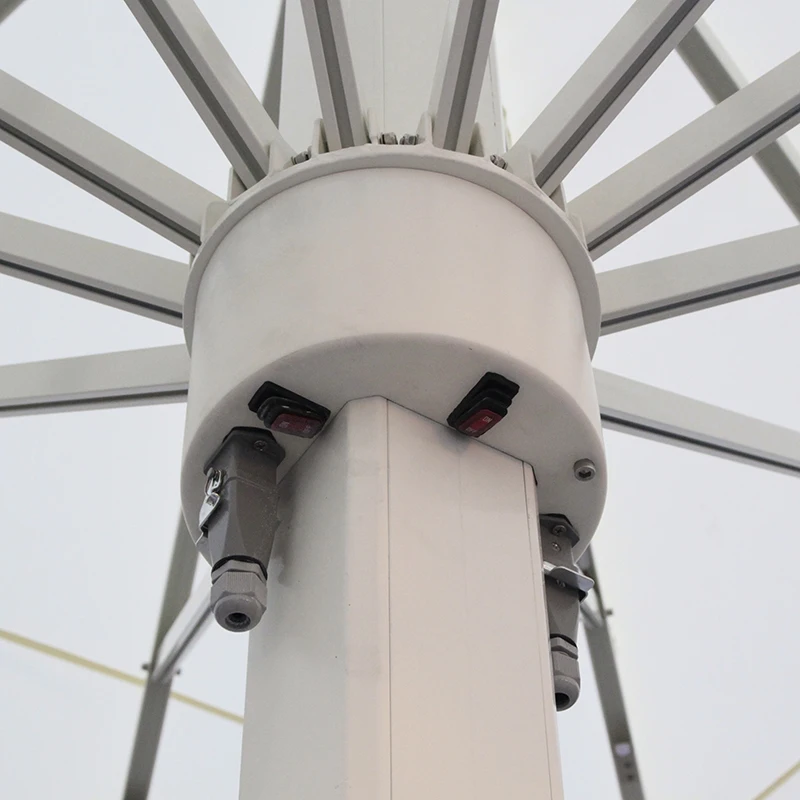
(479,422)
(296,425)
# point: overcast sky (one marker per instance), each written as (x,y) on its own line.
(697,556)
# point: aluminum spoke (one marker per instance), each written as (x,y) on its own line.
(271,96)
(157,691)
(460,73)
(187,627)
(7,6)
(90,268)
(126,378)
(603,85)
(668,287)
(333,69)
(214,85)
(609,687)
(664,176)
(110,169)
(643,410)
(720,77)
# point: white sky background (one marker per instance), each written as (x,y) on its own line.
(697,555)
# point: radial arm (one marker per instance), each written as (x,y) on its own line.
(460,73)
(214,85)
(643,410)
(675,285)
(334,73)
(112,170)
(126,378)
(7,6)
(720,77)
(603,85)
(93,269)
(664,176)
(157,690)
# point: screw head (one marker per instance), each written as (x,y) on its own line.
(260,445)
(559,530)
(584,470)
(499,161)
(556,546)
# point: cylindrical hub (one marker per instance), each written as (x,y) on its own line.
(405,275)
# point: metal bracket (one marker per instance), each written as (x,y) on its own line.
(567,576)
(211,498)
(565,587)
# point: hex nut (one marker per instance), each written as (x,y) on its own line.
(238,595)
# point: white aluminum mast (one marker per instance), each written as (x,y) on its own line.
(747,121)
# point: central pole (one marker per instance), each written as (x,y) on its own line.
(404,652)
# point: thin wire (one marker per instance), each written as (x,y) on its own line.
(781,781)
(111,672)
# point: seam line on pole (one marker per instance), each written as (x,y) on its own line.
(615,92)
(99,182)
(696,176)
(389,588)
(201,87)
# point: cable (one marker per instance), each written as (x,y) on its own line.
(778,782)
(111,672)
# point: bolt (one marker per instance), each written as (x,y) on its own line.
(584,470)
(260,445)
(301,157)
(559,530)
(387,138)
(499,161)
(409,138)
(561,584)
(556,546)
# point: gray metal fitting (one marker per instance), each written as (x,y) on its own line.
(565,588)
(409,138)
(387,138)
(566,675)
(299,158)
(239,516)
(238,594)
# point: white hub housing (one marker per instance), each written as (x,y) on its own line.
(404,272)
